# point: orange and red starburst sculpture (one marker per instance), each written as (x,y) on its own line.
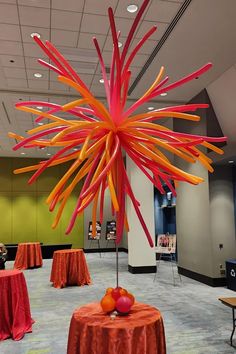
(102,131)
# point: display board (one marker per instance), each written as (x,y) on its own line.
(111,230)
(166,243)
(98,231)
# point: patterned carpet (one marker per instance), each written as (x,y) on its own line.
(195,321)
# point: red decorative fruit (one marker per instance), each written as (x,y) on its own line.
(132,298)
(116,293)
(123,304)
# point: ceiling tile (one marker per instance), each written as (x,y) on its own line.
(53,76)
(87,79)
(35,3)
(18,61)
(95,24)
(68,5)
(64,38)
(97,89)
(66,20)
(34,16)
(78,55)
(162,11)
(27,30)
(101,7)
(86,40)
(17,73)
(121,10)
(19,83)
(84,68)
(8,1)
(57,86)
(30,74)
(147,48)
(10,32)
(139,59)
(109,43)
(14,48)
(38,84)
(32,63)
(9,14)
(145,27)
(123,25)
(33,50)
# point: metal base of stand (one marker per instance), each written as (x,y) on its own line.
(172,260)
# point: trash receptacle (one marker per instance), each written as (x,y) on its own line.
(231,274)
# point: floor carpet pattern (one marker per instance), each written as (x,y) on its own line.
(195,320)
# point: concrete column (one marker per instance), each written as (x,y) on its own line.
(141,256)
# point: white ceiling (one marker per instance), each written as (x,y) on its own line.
(206,32)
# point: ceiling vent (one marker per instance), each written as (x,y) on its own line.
(160,44)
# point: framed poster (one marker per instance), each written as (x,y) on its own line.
(111,230)
(98,231)
(166,244)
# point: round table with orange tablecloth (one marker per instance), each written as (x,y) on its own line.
(28,255)
(15,316)
(94,332)
(69,267)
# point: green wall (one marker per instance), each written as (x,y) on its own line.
(23,212)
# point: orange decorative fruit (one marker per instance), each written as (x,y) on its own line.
(123,292)
(108,304)
(109,290)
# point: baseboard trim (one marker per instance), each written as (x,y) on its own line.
(214,282)
(98,250)
(142,269)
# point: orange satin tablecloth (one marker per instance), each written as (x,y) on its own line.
(28,255)
(15,316)
(94,332)
(69,267)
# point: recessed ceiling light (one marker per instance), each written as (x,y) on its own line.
(120,44)
(38,75)
(49,154)
(231,161)
(22,153)
(150,108)
(40,123)
(101,81)
(35,34)
(164,94)
(132,8)
(75,149)
(39,107)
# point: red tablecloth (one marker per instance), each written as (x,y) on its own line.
(28,255)
(93,332)
(15,316)
(69,267)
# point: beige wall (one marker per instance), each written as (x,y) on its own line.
(204,215)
